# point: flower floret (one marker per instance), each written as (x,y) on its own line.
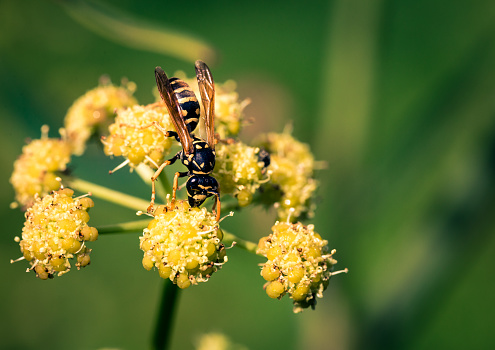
(239,170)
(292,184)
(135,135)
(298,263)
(38,167)
(56,231)
(94,111)
(183,243)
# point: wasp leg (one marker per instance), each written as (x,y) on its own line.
(176,185)
(156,125)
(165,132)
(155,176)
(217,204)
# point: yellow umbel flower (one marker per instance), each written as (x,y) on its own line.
(94,111)
(292,184)
(55,231)
(183,243)
(298,263)
(134,136)
(36,170)
(240,170)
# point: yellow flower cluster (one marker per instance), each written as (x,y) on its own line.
(292,184)
(93,112)
(55,231)
(183,243)
(35,171)
(298,263)
(133,136)
(239,170)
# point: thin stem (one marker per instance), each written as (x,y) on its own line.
(229,238)
(109,195)
(125,227)
(164,322)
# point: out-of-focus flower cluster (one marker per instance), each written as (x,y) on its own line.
(217,341)
(292,184)
(94,111)
(183,243)
(36,170)
(298,263)
(134,136)
(55,232)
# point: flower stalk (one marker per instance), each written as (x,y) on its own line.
(229,239)
(164,322)
(109,195)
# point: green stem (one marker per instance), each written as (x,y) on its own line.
(125,227)
(164,322)
(229,238)
(109,195)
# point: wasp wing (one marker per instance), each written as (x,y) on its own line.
(207,91)
(173,106)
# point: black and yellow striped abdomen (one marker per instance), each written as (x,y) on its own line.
(188,103)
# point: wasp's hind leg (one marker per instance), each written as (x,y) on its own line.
(155,176)
(216,204)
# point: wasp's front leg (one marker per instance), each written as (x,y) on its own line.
(155,176)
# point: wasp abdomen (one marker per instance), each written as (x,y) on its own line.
(200,187)
(188,103)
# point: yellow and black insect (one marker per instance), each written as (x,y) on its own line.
(197,155)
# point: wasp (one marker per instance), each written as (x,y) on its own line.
(197,155)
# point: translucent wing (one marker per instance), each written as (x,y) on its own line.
(207,91)
(170,99)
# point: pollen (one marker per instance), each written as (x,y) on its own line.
(55,233)
(135,135)
(38,167)
(292,182)
(94,111)
(299,264)
(183,244)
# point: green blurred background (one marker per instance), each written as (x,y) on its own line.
(398,97)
